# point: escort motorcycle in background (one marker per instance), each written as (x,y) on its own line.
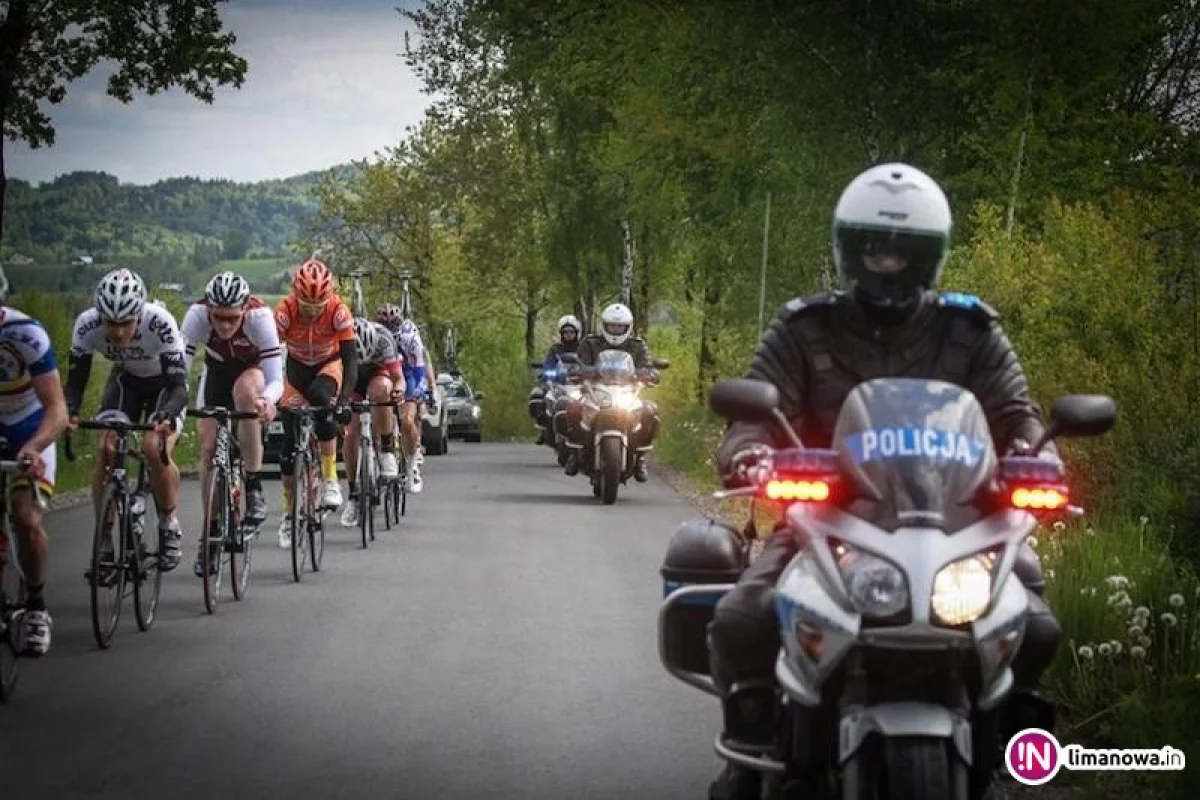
(901,613)
(610,406)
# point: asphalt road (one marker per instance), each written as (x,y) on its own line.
(501,643)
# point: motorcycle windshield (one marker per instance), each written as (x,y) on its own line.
(615,367)
(917,452)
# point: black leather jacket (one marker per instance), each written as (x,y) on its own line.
(593,344)
(556,350)
(819,347)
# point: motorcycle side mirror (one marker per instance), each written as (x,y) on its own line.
(749,400)
(1079,415)
(744,400)
(569,358)
(660,363)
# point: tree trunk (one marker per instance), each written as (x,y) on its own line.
(641,307)
(709,326)
(531,315)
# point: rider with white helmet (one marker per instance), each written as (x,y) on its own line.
(891,231)
(380,380)
(568,330)
(616,333)
(148,379)
(243,370)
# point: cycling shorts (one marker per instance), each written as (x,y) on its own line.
(415,384)
(16,435)
(298,379)
(135,396)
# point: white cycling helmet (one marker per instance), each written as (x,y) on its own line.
(227,290)
(120,296)
(569,321)
(365,337)
(898,210)
(616,323)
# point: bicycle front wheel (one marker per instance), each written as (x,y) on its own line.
(366,492)
(107,574)
(9,649)
(301,509)
(316,520)
(147,582)
(241,541)
(216,525)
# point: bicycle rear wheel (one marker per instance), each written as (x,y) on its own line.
(301,509)
(215,527)
(107,575)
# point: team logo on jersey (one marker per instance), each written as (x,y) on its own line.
(12,365)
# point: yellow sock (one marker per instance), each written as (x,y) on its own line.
(329,467)
(288,503)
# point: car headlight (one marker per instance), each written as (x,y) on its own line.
(475,411)
(962,590)
(877,588)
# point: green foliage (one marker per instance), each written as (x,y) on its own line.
(172,230)
(1129,674)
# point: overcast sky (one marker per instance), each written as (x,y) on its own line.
(325,84)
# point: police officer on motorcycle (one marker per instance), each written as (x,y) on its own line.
(891,233)
(616,333)
(568,342)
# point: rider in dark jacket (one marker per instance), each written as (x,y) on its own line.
(616,333)
(891,234)
(568,342)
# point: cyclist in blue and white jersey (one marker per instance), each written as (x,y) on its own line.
(33,414)
(419,380)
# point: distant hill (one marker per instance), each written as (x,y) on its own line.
(67,231)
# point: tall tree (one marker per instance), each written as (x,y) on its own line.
(155,45)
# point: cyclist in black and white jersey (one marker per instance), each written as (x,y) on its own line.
(148,378)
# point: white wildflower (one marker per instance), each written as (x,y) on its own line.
(1176,600)
(1137,652)
(1049,574)
(1117,647)
(1033,542)
(1105,649)
(1117,582)
(1086,653)
(1141,613)
(1135,632)
(1059,526)
(1118,599)
(1144,641)
(1170,620)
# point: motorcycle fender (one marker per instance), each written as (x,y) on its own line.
(609,434)
(896,720)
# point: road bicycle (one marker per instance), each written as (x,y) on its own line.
(371,486)
(128,558)
(308,515)
(226,540)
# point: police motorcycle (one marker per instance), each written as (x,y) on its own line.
(608,412)
(544,399)
(901,613)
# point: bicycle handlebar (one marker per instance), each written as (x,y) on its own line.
(218,413)
(121,429)
(19,466)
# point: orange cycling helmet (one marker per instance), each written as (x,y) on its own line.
(313,282)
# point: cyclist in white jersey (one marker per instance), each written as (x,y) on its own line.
(33,414)
(243,370)
(148,377)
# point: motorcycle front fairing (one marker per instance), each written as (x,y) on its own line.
(910,565)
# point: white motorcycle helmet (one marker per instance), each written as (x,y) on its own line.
(568,321)
(616,324)
(891,235)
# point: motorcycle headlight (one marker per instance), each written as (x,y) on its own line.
(962,590)
(877,588)
(626,401)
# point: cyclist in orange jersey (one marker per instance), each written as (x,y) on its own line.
(321,369)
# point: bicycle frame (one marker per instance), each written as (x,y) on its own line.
(308,531)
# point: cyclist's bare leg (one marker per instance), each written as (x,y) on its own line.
(250,386)
(164,480)
(379,390)
(108,450)
(33,546)
(350,450)
(411,427)
(206,432)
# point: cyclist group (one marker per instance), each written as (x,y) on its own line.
(309,351)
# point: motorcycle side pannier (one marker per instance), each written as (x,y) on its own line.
(700,552)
